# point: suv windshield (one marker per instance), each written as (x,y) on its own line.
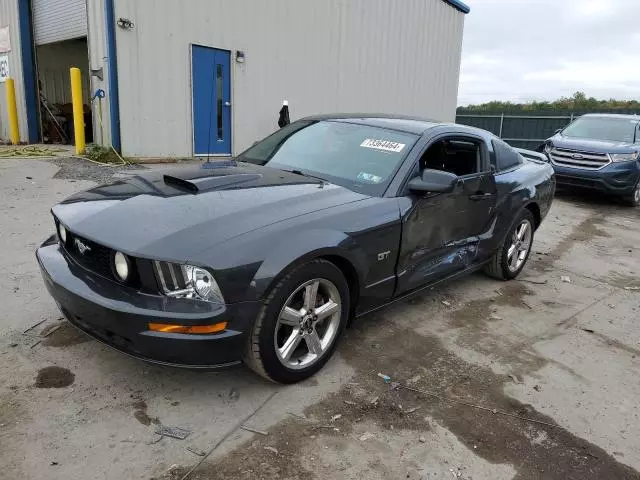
(359,157)
(603,128)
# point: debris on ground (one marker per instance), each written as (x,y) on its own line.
(384,377)
(493,316)
(446,303)
(632,289)
(411,410)
(366,436)
(349,402)
(272,449)
(174,432)
(588,330)
(233,395)
(196,451)
(537,388)
(336,417)
(253,430)
(565,279)
(514,378)
(422,440)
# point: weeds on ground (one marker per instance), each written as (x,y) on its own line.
(101,154)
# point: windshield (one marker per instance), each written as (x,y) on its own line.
(603,128)
(359,157)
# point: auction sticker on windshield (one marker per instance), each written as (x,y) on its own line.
(385,145)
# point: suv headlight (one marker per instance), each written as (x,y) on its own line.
(623,157)
(548,147)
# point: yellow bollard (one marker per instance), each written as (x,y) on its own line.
(12,111)
(78,110)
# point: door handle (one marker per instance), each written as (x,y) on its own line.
(227,104)
(481,196)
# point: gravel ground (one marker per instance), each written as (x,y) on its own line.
(81,169)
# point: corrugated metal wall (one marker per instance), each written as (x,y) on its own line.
(322,56)
(9,16)
(98,60)
(54,61)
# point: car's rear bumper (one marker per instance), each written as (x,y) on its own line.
(119,316)
(615,178)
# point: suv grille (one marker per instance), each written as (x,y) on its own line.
(577,159)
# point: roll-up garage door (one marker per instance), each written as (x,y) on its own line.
(58,20)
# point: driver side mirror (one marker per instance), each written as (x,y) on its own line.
(433,181)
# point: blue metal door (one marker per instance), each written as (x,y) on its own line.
(211,90)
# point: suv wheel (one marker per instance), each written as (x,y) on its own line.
(299,324)
(633,200)
(513,252)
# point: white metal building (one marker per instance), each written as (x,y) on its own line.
(209,76)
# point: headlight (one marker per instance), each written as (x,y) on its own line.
(623,157)
(203,284)
(547,148)
(121,266)
(62,233)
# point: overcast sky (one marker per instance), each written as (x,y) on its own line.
(522,50)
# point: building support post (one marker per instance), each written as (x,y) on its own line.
(78,110)
(12,111)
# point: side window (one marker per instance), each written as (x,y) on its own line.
(506,157)
(458,155)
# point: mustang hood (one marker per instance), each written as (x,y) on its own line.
(175,215)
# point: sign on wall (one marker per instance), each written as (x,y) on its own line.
(5,40)
(4,68)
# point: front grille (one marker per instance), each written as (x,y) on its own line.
(578,159)
(171,276)
(90,255)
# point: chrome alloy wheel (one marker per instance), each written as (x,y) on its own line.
(520,245)
(308,323)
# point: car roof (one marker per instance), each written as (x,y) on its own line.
(402,123)
(613,115)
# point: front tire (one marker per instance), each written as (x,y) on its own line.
(514,250)
(633,200)
(299,324)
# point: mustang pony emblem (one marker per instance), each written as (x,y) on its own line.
(82,248)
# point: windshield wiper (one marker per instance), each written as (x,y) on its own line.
(300,172)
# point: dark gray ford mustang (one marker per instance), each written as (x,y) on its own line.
(265,258)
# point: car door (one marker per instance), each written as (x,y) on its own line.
(440,232)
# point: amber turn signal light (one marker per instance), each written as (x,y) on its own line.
(194,329)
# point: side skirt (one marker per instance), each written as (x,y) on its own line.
(418,290)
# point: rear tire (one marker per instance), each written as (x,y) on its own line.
(514,250)
(633,200)
(299,324)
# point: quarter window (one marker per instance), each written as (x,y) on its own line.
(506,157)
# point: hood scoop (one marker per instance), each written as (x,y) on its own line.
(202,184)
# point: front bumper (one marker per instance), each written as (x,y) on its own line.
(616,178)
(119,316)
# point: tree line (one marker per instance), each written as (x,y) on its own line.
(578,102)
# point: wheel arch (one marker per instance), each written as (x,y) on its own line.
(534,208)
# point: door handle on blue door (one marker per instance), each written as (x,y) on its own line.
(481,196)
(227,104)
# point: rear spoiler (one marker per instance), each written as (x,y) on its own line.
(531,155)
